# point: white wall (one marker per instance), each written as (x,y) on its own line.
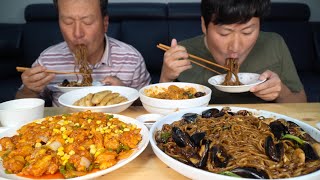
(12,11)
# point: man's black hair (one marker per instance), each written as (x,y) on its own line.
(103,6)
(233,11)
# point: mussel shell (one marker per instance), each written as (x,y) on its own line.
(199,94)
(273,151)
(197,137)
(310,153)
(210,113)
(278,129)
(65,82)
(219,156)
(181,138)
(250,172)
(190,117)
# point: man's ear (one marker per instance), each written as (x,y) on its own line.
(106,23)
(203,26)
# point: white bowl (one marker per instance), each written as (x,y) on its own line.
(67,89)
(20,111)
(67,99)
(141,147)
(195,173)
(165,106)
(149,119)
(247,79)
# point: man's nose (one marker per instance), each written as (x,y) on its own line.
(234,46)
(78,31)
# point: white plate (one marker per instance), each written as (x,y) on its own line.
(141,146)
(67,89)
(247,79)
(195,173)
(67,99)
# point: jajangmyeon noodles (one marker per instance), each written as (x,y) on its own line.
(240,144)
(231,78)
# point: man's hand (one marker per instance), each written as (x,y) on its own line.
(274,90)
(34,80)
(174,62)
(113,81)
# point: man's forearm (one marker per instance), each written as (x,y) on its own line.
(287,96)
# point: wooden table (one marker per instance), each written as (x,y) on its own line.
(148,166)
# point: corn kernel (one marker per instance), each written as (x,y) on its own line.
(64,136)
(42,127)
(126,129)
(89,120)
(51,118)
(76,124)
(93,151)
(98,122)
(38,145)
(70,140)
(108,130)
(116,131)
(60,153)
(64,162)
(63,129)
(113,126)
(65,122)
(92,146)
(38,122)
(60,148)
(120,131)
(56,130)
(109,124)
(71,152)
(82,125)
(63,117)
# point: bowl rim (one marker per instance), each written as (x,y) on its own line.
(234,87)
(38,102)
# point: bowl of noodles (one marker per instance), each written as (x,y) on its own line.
(166,98)
(226,143)
(245,82)
(111,99)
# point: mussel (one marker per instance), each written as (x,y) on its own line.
(200,160)
(250,172)
(278,129)
(199,94)
(65,82)
(219,156)
(210,113)
(190,117)
(181,138)
(273,151)
(197,137)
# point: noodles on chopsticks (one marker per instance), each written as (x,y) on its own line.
(231,78)
(81,63)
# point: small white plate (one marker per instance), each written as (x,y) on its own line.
(67,89)
(247,79)
(149,119)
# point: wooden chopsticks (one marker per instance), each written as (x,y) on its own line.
(165,48)
(22,69)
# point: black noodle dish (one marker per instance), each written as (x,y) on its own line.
(240,144)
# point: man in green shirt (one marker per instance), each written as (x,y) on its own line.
(231,29)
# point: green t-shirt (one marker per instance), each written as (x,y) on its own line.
(269,53)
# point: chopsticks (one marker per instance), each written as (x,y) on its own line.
(165,48)
(22,69)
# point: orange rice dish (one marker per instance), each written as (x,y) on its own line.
(70,144)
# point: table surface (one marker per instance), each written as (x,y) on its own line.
(148,166)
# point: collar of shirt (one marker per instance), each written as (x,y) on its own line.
(105,60)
